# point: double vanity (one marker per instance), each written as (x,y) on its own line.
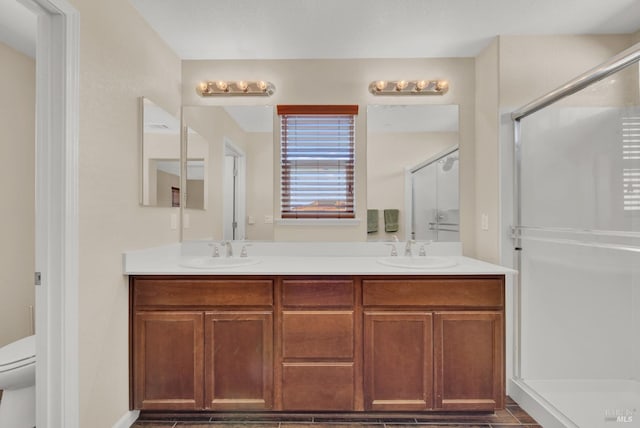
(321,331)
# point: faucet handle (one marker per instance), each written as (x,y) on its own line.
(394,251)
(215,252)
(243,251)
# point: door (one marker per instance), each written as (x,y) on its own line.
(398,361)
(168,360)
(468,361)
(239,360)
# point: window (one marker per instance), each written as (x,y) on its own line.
(317,161)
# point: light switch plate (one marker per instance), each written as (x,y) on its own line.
(484,222)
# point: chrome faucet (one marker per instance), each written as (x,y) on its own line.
(407,248)
(228,248)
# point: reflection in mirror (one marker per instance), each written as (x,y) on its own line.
(401,139)
(196,169)
(160,156)
(243,134)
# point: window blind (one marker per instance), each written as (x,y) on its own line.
(317,161)
(631,163)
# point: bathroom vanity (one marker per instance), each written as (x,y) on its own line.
(379,339)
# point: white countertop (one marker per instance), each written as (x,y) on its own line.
(169,260)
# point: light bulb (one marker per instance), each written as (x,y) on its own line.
(262,85)
(242,85)
(421,84)
(442,85)
(380,85)
(203,87)
(401,84)
(222,85)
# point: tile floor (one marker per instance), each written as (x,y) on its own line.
(511,417)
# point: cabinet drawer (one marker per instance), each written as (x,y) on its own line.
(202,292)
(317,334)
(317,293)
(437,292)
(318,386)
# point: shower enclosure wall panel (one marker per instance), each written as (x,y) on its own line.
(578,239)
(435,200)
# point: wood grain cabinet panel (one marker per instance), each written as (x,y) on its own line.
(444,292)
(469,358)
(318,335)
(199,292)
(318,386)
(398,361)
(239,360)
(333,293)
(168,360)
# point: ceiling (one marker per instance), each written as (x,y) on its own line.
(289,29)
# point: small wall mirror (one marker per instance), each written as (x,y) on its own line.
(412,173)
(160,156)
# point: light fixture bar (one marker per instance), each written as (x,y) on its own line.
(214,88)
(409,87)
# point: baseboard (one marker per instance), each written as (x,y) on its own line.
(127,419)
(536,406)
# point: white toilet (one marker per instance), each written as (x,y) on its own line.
(17,381)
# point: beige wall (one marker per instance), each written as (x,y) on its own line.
(531,66)
(487,164)
(260,185)
(346,82)
(17,175)
(121,59)
(388,154)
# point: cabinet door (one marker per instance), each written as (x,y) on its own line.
(469,355)
(398,361)
(239,360)
(168,360)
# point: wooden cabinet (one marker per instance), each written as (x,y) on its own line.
(317,352)
(469,353)
(238,360)
(201,343)
(398,361)
(168,360)
(317,343)
(434,343)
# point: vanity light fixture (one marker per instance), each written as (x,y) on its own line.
(409,87)
(258,88)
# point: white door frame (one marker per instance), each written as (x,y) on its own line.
(57,114)
(240,197)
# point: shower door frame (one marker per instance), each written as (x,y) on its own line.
(624,59)
(408,186)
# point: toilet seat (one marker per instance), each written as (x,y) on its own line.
(18,354)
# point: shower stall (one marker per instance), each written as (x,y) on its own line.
(576,238)
(434,211)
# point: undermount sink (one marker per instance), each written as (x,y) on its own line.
(419,262)
(218,262)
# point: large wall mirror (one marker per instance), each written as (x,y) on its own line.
(231,150)
(412,172)
(230,169)
(160,148)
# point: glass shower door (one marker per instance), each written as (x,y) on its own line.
(434,200)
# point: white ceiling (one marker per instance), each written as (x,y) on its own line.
(289,29)
(18,27)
